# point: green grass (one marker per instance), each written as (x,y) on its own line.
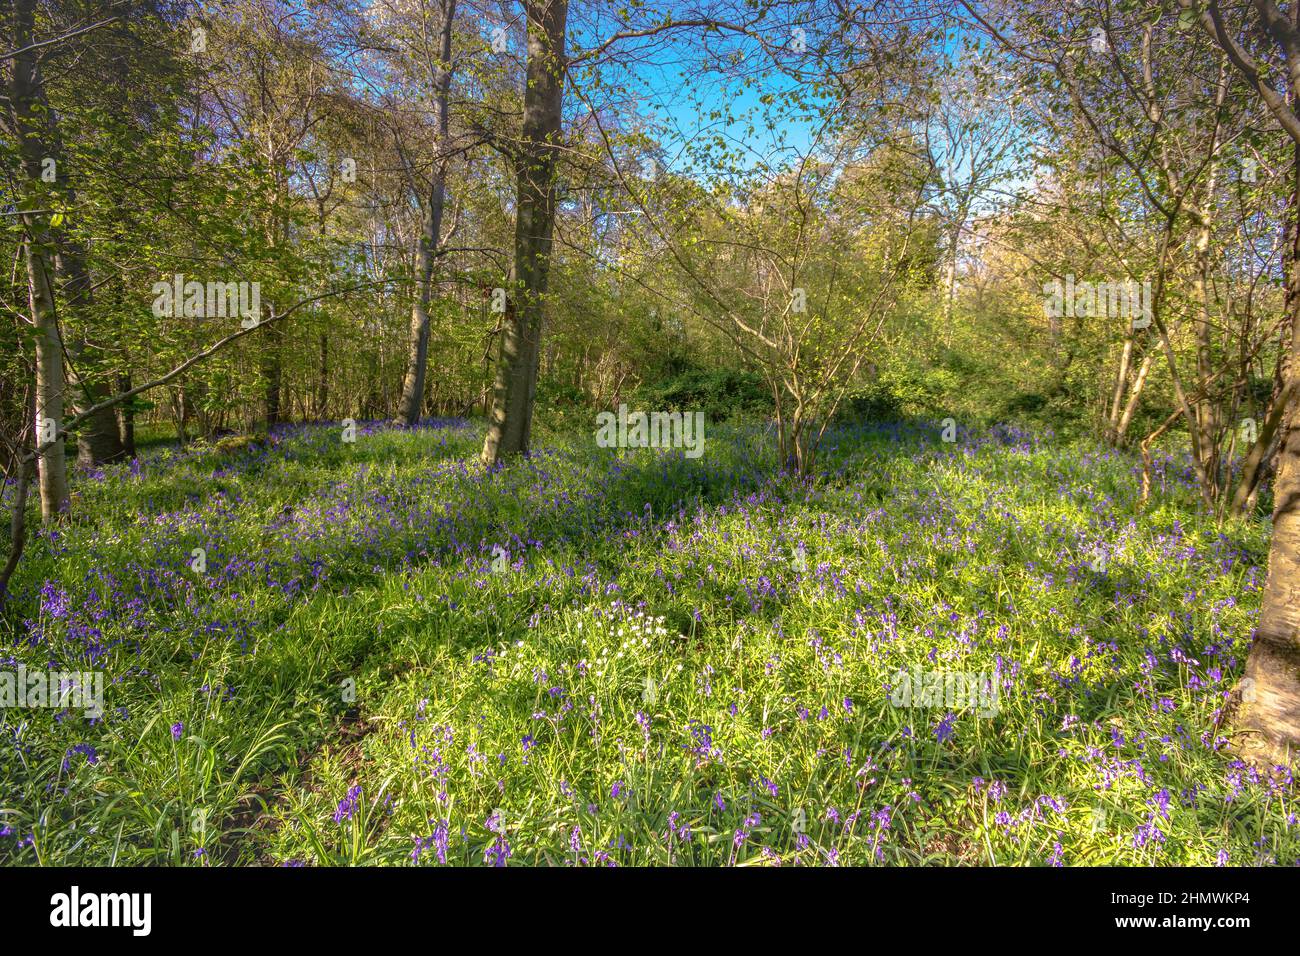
(350,633)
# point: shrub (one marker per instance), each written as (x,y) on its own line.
(898,393)
(718,393)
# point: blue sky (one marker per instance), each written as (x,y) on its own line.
(676,84)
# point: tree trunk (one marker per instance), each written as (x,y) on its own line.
(1261,458)
(412,398)
(1271,693)
(1207,411)
(1252,465)
(24,121)
(126,417)
(1117,395)
(950,275)
(1134,397)
(49,385)
(323,379)
(98,438)
(273,375)
(516,377)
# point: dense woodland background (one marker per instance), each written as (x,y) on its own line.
(936,181)
(807,211)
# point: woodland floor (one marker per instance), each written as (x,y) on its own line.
(669,661)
